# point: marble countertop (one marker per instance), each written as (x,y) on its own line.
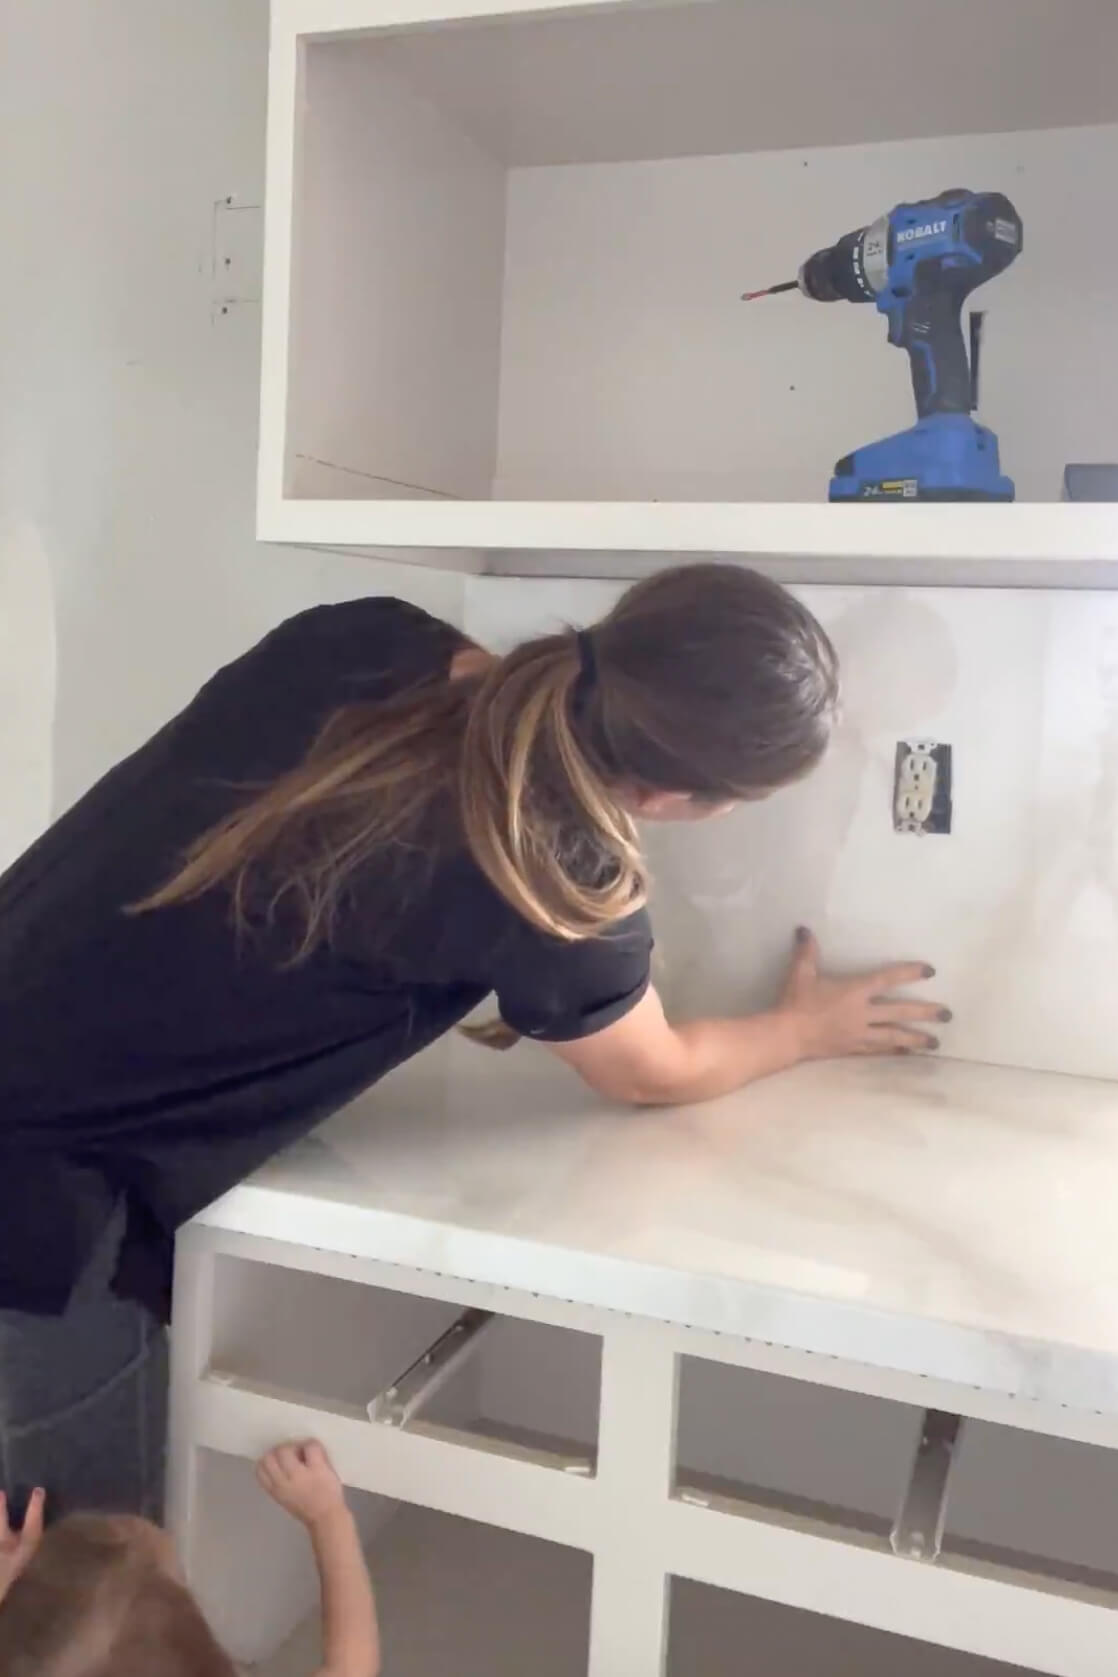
(929,1216)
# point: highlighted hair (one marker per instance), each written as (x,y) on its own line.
(708,680)
(95,1602)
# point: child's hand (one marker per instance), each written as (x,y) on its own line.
(302,1480)
(17,1547)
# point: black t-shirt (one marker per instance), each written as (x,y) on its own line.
(172,1056)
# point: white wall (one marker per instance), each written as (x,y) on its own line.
(631,370)
(27,674)
(1018,908)
(127,442)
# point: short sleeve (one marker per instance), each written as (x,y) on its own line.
(553,991)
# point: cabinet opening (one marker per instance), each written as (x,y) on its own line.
(1036,1503)
(834,1458)
(978,1498)
(453,1595)
(722,1634)
(458,1596)
(398,1360)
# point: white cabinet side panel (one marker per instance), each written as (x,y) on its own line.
(395,345)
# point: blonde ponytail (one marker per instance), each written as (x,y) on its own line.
(539,815)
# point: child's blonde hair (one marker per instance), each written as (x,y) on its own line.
(95,1601)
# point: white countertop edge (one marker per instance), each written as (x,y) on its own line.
(1058,1375)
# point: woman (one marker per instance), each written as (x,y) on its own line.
(351,837)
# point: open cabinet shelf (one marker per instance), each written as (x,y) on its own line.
(506,244)
(468,1599)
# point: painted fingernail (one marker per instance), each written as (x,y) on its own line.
(933,1042)
(945,1015)
(929,972)
(802,934)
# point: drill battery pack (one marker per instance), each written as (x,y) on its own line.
(943,457)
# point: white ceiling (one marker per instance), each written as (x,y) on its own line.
(745,75)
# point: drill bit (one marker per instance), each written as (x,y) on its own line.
(770,290)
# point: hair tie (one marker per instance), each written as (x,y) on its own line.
(587,665)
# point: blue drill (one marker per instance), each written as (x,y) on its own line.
(919,263)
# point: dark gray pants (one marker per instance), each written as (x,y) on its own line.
(83,1398)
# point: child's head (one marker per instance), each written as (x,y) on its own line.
(102,1596)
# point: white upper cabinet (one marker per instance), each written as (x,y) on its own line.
(506,246)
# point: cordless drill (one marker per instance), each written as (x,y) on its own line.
(919,263)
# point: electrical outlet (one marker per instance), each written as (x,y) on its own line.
(922,787)
(916,784)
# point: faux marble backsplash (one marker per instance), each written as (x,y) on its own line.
(1017,908)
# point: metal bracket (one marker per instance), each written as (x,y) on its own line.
(412,1390)
(918,1530)
(236,255)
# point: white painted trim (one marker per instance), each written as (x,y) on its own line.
(407,1466)
(319,18)
(636,1465)
(1056,544)
(192,1338)
(285,98)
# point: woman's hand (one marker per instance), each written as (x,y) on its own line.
(646,1061)
(17,1547)
(301,1478)
(834,1017)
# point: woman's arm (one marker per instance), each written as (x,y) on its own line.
(646,1061)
